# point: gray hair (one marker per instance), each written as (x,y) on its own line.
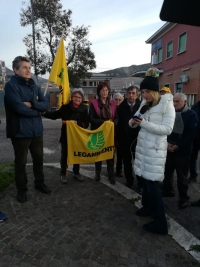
(79,91)
(183,96)
(118,95)
(16,62)
(130,88)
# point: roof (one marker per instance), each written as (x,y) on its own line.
(166,27)
(142,73)
(139,74)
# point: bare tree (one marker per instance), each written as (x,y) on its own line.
(50,20)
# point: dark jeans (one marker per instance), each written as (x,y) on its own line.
(63,161)
(110,167)
(181,165)
(193,162)
(119,161)
(153,203)
(21,147)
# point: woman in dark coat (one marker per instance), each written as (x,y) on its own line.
(74,111)
(101,110)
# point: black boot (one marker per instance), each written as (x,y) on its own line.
(97,176)
(154,228)
(21,196)
(142,213)
(43,188)
(112,179)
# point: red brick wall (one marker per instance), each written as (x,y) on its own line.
(192,87)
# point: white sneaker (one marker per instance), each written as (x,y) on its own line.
(79,177)
(63,179)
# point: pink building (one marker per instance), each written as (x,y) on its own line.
(176,53)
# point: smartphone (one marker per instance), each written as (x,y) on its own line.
(136,117)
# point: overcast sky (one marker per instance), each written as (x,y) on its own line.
(118,29)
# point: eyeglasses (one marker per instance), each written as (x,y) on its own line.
(118,99)
(79,97)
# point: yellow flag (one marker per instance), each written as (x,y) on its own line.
(86,146)
(59,74)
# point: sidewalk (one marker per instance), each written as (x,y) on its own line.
(80,224)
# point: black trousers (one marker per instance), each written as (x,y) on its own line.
(128,169)
(110,167)
(180,163)
(153,203)
(119,161)
(21,147)
(193,162)
(63,161)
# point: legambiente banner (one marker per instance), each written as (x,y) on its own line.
(86,146)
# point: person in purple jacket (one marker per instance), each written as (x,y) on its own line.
(103,109)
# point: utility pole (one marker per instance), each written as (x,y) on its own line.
(34,50)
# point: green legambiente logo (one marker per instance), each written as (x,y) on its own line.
(97,141)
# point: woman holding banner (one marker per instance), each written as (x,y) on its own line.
(101,110)
(75,111)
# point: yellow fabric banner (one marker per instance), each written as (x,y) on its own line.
(59,74)
(86,146)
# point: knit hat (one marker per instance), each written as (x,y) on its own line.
(150,81)
(79,91)
(165,89)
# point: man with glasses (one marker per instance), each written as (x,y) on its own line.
(127,135)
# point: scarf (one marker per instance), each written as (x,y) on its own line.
(75,105)
(178,124)
(105,109)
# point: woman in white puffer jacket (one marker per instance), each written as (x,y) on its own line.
(157,120)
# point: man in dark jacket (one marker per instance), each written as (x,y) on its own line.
(127,135)
(195,150)
(196,146)
(24,103)
(179,150)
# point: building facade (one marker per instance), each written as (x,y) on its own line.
(117,84)
(175,52)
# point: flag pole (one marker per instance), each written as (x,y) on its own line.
(49,75)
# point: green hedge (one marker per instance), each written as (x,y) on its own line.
(6,175)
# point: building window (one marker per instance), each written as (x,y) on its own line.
(84,83)
(169,49)
(182,43)
(160,55)
(178,87)
(90,83)
(95,83)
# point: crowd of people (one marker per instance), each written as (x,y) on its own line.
(153,138)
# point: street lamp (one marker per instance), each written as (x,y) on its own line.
(33,32)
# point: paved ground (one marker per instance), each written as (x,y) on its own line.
(87,224)
(80,224)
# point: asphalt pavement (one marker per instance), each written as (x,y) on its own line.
(89,223)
